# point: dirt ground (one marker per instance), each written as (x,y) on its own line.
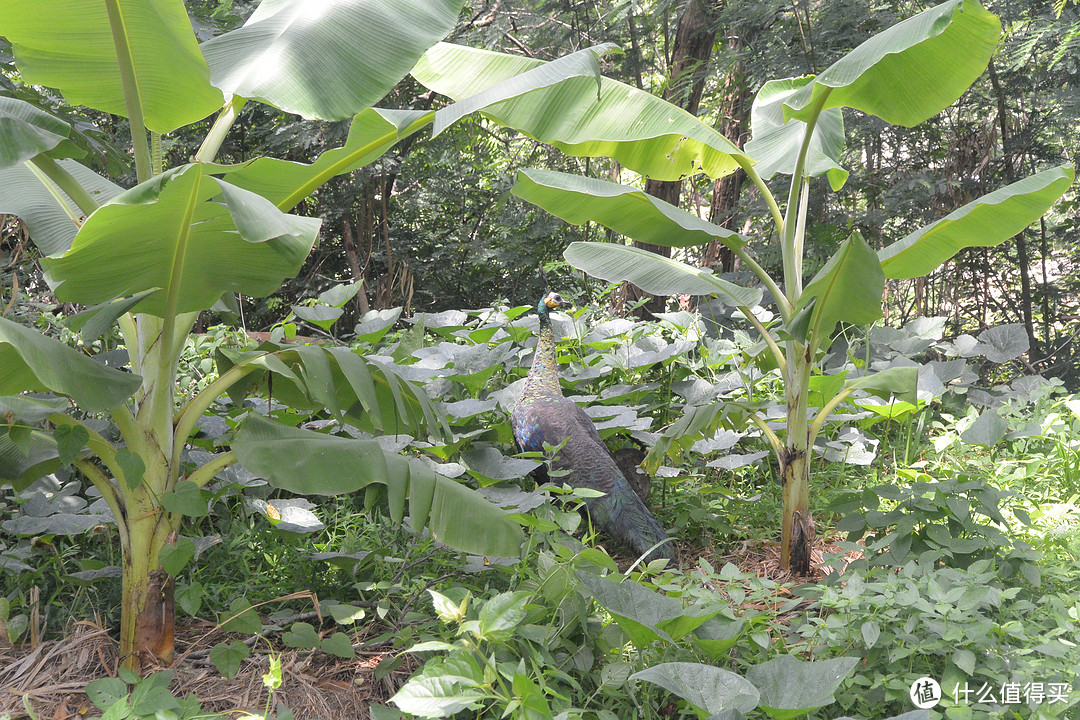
(44,681)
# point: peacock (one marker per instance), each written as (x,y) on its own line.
(543,415)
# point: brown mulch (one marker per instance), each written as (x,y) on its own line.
(45,682)
(762,558)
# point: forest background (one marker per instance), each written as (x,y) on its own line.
(431,226)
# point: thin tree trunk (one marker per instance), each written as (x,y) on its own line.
(1010,162)
(725,197)
(362,306)
(694,40)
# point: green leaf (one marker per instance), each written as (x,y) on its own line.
(25,459)
(583,63)
(49,214)
(338,644)
(436,697)
(718,634)
(106,691)
(327,63)
(965,660)
(910,72)
(31,361)
(790,687)
(870,633)
(1002,343)
(776,142)
(69,45)
(301,635)
(185,499)
(343,613)
(26,131)
(70,440)
(306,462)
(899,381)
(338,295)
(985,222)
(227,658)
(664,142)
(654,273)
(174,558)
(189,598)
(503,612)
(30,409)
(847,289)
(95,321)
(645,616)
(286,183)
(532,703)
(133,467)
(711,690)
(241,618)
(988,429)
(445,607)
(171,233)
(627,210)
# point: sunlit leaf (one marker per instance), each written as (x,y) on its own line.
(185,233)
(306,462)
(711,689)
(31,361)
(627,210)
(910,72)
(663,141)
(654,273)
(330,59)
(985,222)
(69,45)
(775,144)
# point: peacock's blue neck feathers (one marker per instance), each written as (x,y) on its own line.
(543,377)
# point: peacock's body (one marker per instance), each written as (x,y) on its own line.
(544,416)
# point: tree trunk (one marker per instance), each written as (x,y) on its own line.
(694,40)
(797,524)
(353,259)
(1011,163)
(147,614)
(725,197)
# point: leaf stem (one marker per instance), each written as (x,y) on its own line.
(107,490)
(748,167)
(224,122)
(826,411)
(770,435)
(206,473)
(792,262)
(773,347)
(132,99)
(66,182)
(190,414)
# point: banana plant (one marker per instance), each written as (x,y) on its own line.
(151,257)
(904,75)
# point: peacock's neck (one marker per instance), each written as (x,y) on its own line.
(543,377)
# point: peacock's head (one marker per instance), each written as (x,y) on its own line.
(550,301)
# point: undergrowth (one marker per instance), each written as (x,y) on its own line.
(968,567)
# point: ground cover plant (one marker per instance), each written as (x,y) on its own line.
(565,630)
